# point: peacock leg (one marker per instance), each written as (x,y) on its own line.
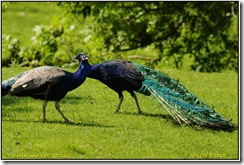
(57,106)
(137,103)
(44,110)
(121,98)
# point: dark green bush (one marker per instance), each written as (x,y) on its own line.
(206,32)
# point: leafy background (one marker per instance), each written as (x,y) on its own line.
(199,36)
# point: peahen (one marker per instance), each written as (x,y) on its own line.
(182,105)
(47,83)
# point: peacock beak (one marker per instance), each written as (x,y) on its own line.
(81,57)
(84,58)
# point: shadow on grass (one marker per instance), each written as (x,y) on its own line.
(83,124)
(164,116)
(195,127)
(76,99)
(148,114)
(10,100)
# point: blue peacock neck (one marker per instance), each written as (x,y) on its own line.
(78,77)
(95,72)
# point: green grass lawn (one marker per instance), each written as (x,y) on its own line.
(98,133)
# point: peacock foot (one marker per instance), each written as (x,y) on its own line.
(69,122)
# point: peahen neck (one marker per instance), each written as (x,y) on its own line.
(78,77)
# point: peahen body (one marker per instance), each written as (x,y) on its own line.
(47,83)
(181,104)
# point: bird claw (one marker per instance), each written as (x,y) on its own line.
(117,111)
(68,122)
(140,112)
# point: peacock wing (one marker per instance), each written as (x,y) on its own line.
(122,71)
(36,78)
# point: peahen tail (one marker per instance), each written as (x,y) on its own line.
(6,84)
(181,104)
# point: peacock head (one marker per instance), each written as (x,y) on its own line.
(81,57)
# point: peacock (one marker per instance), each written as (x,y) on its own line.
(47,83)
(181,104)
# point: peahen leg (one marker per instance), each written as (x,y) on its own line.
(45,103)
(44,110)
(57,106)
(121,98)
(137,103)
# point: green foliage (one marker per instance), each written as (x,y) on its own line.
(99,133)
(10,49)
(200,29)
(43,46)
(18,20)
(200,35)
(52,44)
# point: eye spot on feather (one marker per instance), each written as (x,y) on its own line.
(213,115)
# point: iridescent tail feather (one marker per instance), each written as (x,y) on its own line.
(181,104)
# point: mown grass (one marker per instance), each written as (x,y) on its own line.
(98,133)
